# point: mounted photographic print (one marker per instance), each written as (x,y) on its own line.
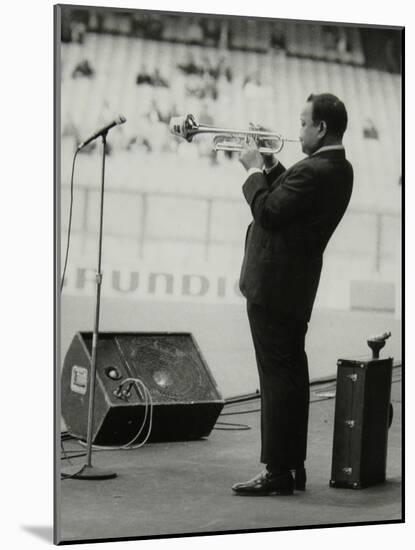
(228,223)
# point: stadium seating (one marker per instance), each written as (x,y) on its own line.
(142,184)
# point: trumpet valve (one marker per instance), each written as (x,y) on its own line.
(227,142)
(234,142)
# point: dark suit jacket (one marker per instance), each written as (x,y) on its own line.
(295,212)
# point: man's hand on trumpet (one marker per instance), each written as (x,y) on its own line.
(270,159)
(250,157)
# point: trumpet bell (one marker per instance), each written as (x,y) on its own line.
(184,126)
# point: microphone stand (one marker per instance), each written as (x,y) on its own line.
(89,471)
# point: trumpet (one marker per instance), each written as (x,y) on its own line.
(227,139)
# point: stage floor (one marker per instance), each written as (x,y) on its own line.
(185,487)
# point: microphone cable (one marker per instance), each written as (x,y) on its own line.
(69,220)
(147,420)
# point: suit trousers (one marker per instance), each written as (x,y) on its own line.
(279,342)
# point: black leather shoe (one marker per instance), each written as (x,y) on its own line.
(265,484)
(300,479)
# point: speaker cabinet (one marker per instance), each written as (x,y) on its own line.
(361,422)
(186,399)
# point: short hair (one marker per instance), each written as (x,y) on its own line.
(329,108)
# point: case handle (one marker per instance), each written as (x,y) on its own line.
(376,343)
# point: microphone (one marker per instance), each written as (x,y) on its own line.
(119,120)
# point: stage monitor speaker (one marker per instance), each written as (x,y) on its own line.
(186,399)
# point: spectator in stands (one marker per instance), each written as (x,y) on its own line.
(190,67)
(154,130)
(194,86)
(96,21)
(336,43)
(369,129)
(252,86)
(221,68)
(158,80)
(208,67)
(143,77)
(155,28)
(138,25)
(78,32)
(83,69)
(252,78)
(343,44)
(209,89)
(79,20)
(202,87)
(137,132)
(211,31)
(295,212)
(139,142)
(147,25)
(278,40)
(66,28)
(392,54)
(194,32)
(330,37)
(224,69)
(155,79)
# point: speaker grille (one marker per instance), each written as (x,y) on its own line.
(169,366)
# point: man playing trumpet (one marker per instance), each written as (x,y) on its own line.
(295,212)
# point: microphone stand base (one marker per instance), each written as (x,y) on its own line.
(90,472)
